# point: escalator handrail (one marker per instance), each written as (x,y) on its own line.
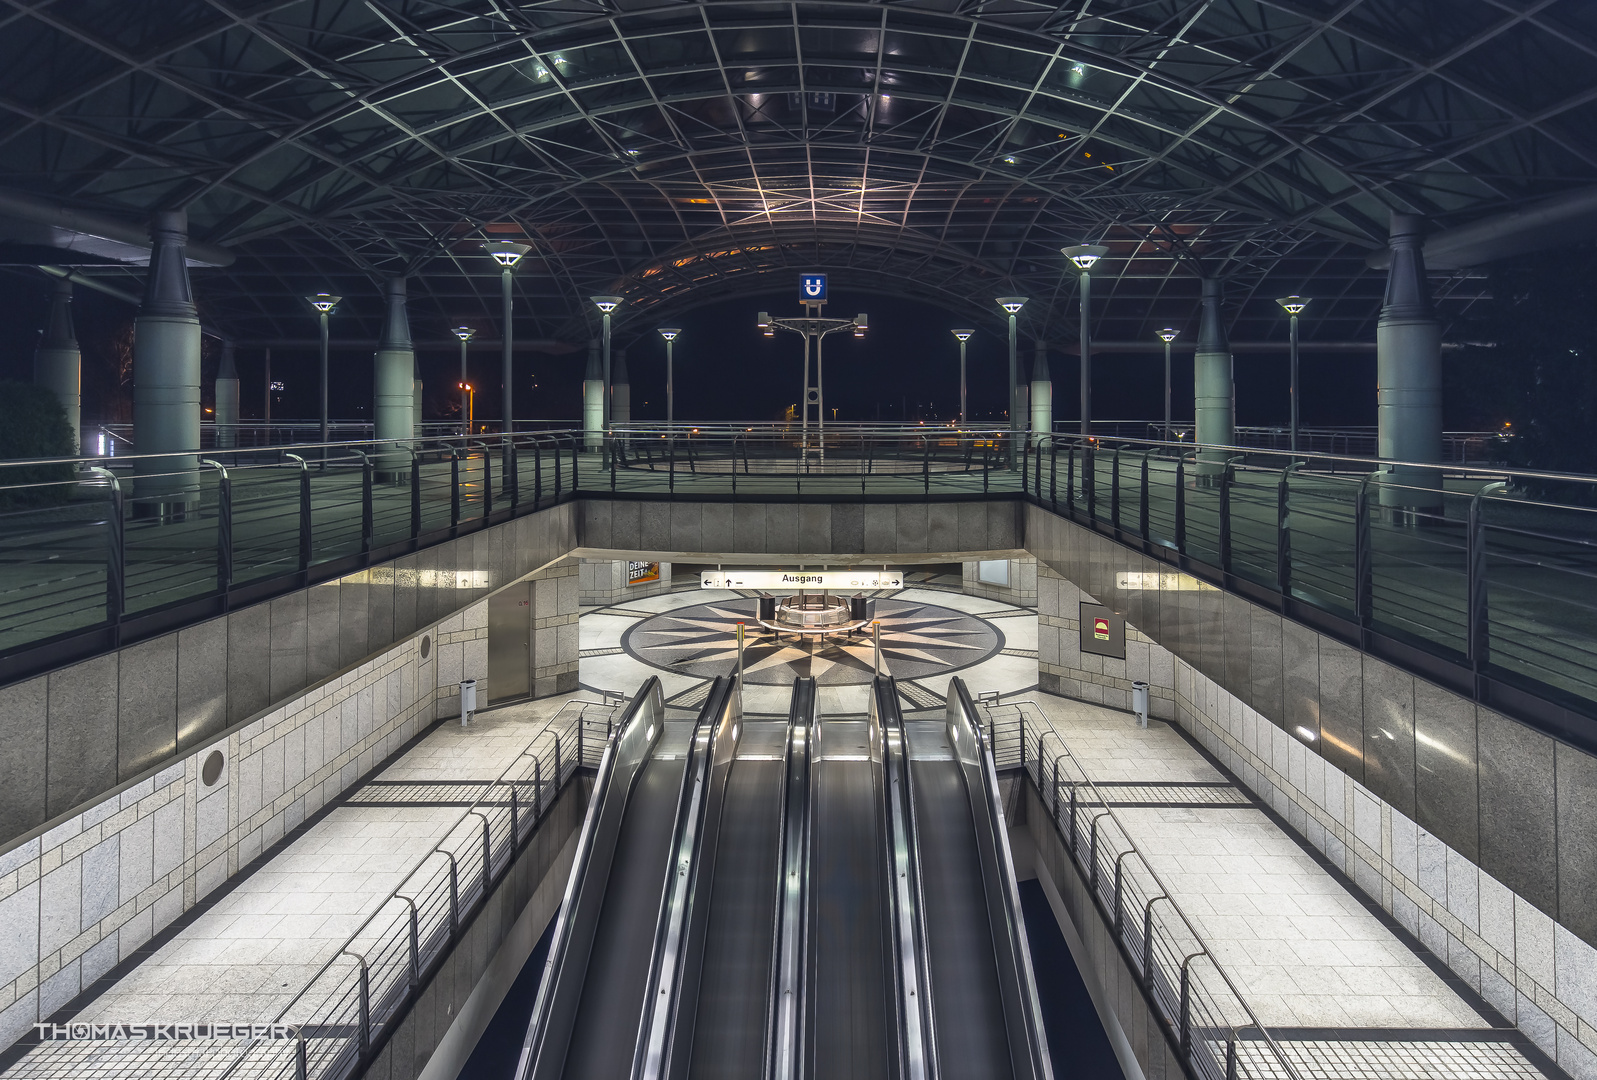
(917,1031)
(784,1058)
(1022,1009)
(636,734)
(679,938)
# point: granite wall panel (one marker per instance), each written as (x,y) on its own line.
(1517,808)
(1446,768)
(24,711)
(82,756)
(146,705)
(1389,733)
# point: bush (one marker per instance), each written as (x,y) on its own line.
(33,425)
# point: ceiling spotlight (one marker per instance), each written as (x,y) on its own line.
(1293,305)
(964,335)
(1168,334)
(607,304)
(324,302)
(1012,304)
(464,333)
(1084,255)
(506,252)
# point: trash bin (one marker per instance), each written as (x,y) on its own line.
(468,700)
(1139,702)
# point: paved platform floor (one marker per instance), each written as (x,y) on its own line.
(1342,989)
(246,955)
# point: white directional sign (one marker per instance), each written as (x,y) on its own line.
(787,580)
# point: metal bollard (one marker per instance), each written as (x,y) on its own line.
(468,700)
(1139,702)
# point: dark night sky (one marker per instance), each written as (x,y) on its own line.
(726,369)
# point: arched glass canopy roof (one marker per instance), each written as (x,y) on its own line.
(677,151)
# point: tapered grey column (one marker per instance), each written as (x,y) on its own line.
(227,399)
(621,388)
(1408,362)
(394,382)
(58,365)
(593,399)
(1214,392)
(166,376)
(1042,395)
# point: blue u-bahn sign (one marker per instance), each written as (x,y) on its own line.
(812,288)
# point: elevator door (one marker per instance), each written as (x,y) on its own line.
(510,643)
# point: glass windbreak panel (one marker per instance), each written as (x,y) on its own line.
(169,539)
(1541,593)
(436,487)
(1203,511)
(55,540)
(337,486)
(1321,527)
(1254,494)
(1419,566)
(265,521)
(391,500)
(1162,500)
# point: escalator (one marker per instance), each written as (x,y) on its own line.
(824,898)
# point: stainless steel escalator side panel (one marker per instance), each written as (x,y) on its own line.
(679,944)
(1022,1011)
(916,1037)
(784,1059)
(631,744)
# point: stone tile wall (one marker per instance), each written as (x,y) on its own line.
(604,581)
(1021,590)
(1474,831)
(68,737)
(80,897)
(555,642)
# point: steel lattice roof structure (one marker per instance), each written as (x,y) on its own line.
(679,151)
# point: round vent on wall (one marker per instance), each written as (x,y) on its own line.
(211,771)
(426,646)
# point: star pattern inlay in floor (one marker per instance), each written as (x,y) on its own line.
(918,640)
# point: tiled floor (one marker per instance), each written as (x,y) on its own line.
(1303,950)
(248,956)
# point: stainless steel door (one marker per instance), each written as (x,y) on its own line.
(510,643)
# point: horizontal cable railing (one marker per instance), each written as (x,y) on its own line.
(1458,447)
(1203,1015)
(346,1012)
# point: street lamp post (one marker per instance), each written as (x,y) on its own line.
(1293,306)
(607,304)
(507,254)
(1013,304)
(670,334)
(1084,256)
(1167,335)
(465,334)
(963,336)
(468,398)
(324,303)
(812,326)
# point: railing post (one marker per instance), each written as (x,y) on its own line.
(454,486)
(1114,489)
(1120,919)
(487,858)
(986,464)
(224,526)
(557,755)
(1479,626)
(1142,514)
(1070,479)
(367,528)
(1147,940)
(365,1011)
(537,470)
(115,553)
(1184,1022)
(1225,518)
(415,495)
(515,819)
(454,897)
(1053,475)
(1075,844)
(512,472)
(537,789)
(926,466)
(1181,505)
(487,483)
(1363,584)
(415,948)
(671,462)
(1283,534)
(1089,479)
(301,1072)
(304,512)
(579,742)
(575,470)
(1055,786)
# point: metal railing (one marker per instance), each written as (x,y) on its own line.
(1458,447)
(1204,1017)
(1454,571)
(345,1014)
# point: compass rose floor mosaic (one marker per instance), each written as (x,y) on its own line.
(689,637)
